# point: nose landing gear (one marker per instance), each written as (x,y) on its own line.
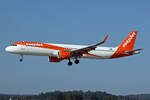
(21,58)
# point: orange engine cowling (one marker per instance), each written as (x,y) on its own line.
(64,54)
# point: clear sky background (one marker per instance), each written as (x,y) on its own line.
(74,22)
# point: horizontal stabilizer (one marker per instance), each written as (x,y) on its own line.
(136,51)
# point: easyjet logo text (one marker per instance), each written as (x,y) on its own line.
(32,44)
(129,39)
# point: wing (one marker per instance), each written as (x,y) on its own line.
(79,52)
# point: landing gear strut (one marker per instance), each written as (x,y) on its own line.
(21,58)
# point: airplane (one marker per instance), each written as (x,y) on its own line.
(58,52)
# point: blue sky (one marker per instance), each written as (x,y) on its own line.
(74,22)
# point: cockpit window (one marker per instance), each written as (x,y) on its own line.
(14,44)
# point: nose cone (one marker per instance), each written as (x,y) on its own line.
(10,49)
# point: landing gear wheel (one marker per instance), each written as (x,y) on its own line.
(76,61)
(69,63)
(21,58)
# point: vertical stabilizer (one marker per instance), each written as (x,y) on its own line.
(128,43)
(126,46)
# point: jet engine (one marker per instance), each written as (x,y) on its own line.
(64,54)
(59,55)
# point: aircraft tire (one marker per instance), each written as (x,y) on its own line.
(69,63)
(76,61)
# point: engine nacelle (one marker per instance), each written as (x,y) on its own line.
(64,54)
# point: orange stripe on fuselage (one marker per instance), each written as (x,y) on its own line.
(48,46)
(41,45)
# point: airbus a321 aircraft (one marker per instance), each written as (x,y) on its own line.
(59,52)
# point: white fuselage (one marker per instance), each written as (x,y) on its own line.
(98,53)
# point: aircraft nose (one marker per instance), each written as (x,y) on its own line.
(9,49)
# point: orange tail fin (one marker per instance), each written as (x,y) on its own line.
(128,43)
(126,46)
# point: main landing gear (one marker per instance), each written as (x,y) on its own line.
(70,63)
(76,61)
(21,58)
